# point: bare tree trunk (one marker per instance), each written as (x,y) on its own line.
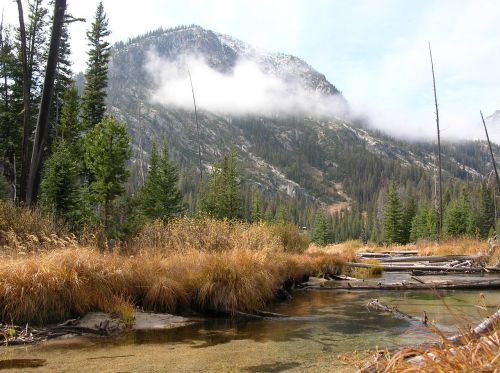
(197,126)
(25,161)
(440,231)
(42,127)
(491,152)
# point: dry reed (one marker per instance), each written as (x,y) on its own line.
(203,265)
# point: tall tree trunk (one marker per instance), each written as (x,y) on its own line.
(491,154)
(197,126)
(440,230)
(25,160)
(42,127)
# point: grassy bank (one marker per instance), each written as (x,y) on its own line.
(202,265)
(449,246)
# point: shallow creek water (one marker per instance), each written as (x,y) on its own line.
(323,325)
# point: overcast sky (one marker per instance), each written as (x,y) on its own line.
(374,51)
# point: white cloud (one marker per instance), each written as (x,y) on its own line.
(465,39)
(246,89)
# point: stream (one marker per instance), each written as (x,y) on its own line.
(323,325)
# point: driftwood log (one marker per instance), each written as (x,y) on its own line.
(421,267)
(376,305)
(15,335)
(406,285)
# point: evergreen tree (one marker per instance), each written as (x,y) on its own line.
(231,202)
(107,149)
(281,216)
(393,217)
(59,188)
(64,76)
(210,194)
(159,197)
(257,212)
(458,218)
(486,211)
(409,211)
(96,76)
(424,223)
(221,198)
(69,128)
(320,236)
(11,109)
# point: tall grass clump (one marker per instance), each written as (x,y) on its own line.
(203,265)
(23,229)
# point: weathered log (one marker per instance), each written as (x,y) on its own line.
(463,285)
(374,304)
(344,278)
(374,255)
(457,340)
(430,258)
(409,268)
(479,330)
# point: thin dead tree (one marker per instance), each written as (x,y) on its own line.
(197,125)
(26,103)
(440,230)
(42,127)
(494,166)
(491,151)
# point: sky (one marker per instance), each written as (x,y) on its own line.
(374,51)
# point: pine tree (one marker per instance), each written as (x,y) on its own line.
(320,236)
(424,223)
(221,198)
(257,212)
(409,211)
(231,202)
(209,198)
(64,76)
(159,197)
(281,216)
(96,76)
(486,211)
(107,149)
(69,128)
(458,218)
(59,188)
(11,111)
(393,217)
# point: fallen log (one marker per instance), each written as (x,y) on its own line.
(423,352)
(374,255)
(409,268)
(374,304)
(458,285)
(430,258)
(484,327)
(344,278)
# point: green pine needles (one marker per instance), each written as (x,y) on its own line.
(159,197)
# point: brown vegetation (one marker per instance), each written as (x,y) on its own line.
(475,355)
(203,265)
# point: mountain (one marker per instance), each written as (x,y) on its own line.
(323,158)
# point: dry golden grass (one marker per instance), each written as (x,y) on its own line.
(452,246)
(204,265)
(25,230)
(475,355)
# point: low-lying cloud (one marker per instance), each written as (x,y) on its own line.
(245,90)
